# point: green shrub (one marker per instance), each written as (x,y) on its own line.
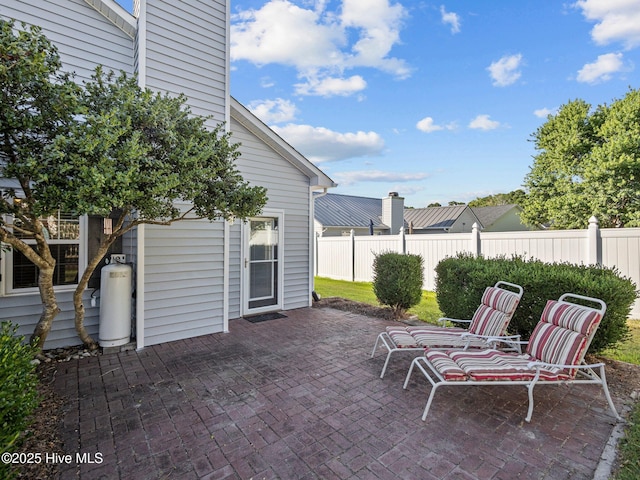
(461,280)
(18,386)
(397,280)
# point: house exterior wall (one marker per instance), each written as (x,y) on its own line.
(464,222)
(185,51)
(183,280)
(288,191)
(84,39)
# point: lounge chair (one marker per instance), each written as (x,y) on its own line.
(554,355)
(490,321)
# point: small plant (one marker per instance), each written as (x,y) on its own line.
(397,280)
(18,387)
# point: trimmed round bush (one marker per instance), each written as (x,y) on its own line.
(397,280)
(461,280)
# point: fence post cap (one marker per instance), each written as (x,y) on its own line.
(593,221)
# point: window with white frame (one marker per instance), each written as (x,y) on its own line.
(64,235)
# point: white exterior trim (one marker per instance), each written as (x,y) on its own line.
(225,287)
(244,275)
(140,287)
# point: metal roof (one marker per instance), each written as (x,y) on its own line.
(433,217)
(336,210)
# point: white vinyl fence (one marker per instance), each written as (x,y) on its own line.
(351,258)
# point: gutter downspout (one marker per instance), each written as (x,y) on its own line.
(312,240)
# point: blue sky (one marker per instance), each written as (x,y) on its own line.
(434,100)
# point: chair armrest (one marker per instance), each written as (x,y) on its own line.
(443,321)
(512,340)
(554,365)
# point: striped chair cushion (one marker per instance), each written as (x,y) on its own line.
(488,321)
(488,365)
(402,338)
(500,299)
(493,315)
(443,363)
(563,334)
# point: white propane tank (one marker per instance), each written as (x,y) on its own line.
(115,305)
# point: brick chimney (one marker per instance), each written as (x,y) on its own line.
(393,212)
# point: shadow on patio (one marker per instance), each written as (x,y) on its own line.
(300,398)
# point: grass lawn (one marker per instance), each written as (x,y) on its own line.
(426,310)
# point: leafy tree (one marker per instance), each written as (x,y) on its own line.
(588,164)
(454,202)
(515,197)
(434,204)
(108,148)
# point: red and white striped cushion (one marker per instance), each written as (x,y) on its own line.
(488,365)
(443,363)
(563,334)
(493,315)
(402,338)
(491,319)
(500,299)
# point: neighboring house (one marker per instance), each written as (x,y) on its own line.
(338,215)
(192,277)
(450,219)
(501,218)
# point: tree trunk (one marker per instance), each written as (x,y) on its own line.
(49,305)
(78,304)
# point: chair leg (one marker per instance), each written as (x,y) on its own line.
(386,362)
(428,405)
(530,411)
(385,340)
(603,378)
(406,380)
(375,346)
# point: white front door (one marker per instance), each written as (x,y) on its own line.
(263,264)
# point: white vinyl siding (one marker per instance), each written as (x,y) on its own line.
(25,311)
(287,190)
(185,53)
(84,38)
(183,281)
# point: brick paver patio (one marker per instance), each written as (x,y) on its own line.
(300,398)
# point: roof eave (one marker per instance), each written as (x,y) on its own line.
(317,177)
(117,15)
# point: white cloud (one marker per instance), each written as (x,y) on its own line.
(543,112)
(483,122)
(273,111)
(328,87)
(450,18)
(321,44)
(505,71)
(602,69)
(616,20)
(428,125)
(320,144)
(349,178)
